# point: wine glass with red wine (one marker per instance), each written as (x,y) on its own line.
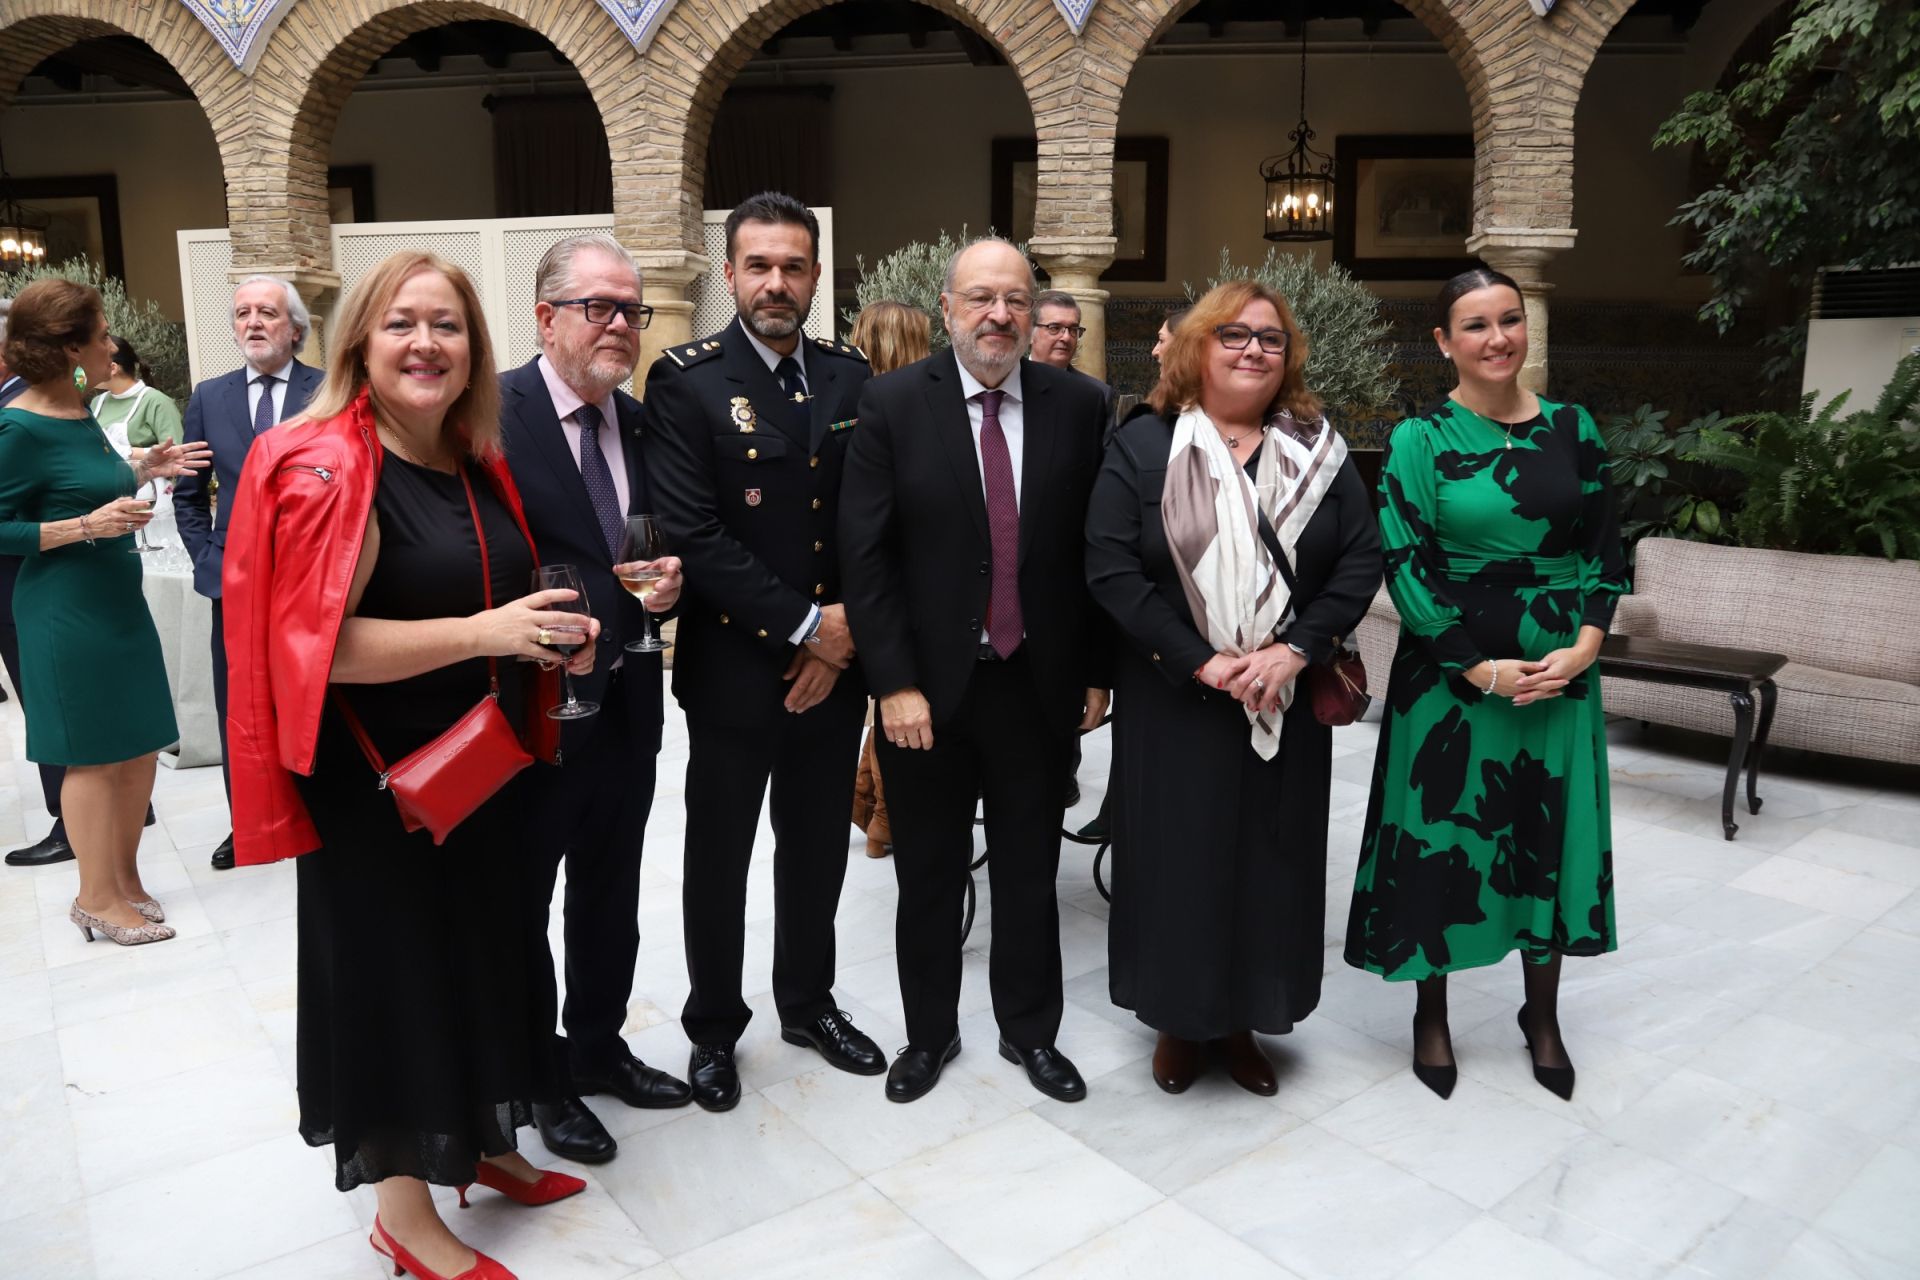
(566,640)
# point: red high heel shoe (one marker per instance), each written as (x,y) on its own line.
(552,1185)
(483,1268)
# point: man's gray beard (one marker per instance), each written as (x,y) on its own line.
(981,366)
(583,377)
(279,358)
(768,327)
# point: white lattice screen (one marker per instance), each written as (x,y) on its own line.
(500,254)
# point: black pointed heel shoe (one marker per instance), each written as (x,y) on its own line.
(1555,1080)
(1439,1079)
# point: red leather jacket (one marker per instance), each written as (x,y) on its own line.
(299,517)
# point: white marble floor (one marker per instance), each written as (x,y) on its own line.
(1748,1101)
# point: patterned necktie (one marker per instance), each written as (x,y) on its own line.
(1005,626)
(599,478)
(788,371)
(263,415)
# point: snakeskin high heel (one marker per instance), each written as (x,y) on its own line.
(150,910)
(89,924)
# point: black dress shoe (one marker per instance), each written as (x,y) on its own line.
(50,850)
(1049,1070)
(1555,1080)
(714,1079)
(916,1071)
(1073,792)
(569,1129)
(634,1083)
(223,856)
(840,1043)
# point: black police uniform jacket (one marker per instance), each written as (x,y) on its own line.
(748,489)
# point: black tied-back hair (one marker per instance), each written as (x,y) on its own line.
(776,207)
(1174,317)
(127,358)
(1465,283)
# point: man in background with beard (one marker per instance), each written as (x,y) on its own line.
(749,430)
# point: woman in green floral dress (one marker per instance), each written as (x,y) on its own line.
(1487,828)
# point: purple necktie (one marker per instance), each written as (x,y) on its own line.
(263,412)
(1005,626)
(599,478)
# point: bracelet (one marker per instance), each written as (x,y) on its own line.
(1493,666)
(86,532)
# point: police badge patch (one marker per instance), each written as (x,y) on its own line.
(753,495)
(742,413)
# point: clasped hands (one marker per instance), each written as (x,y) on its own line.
(1256,679)
(816,666)
(1528,680)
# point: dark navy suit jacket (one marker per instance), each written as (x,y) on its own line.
(566,531)
(217,413)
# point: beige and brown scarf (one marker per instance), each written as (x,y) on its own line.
(1238,598)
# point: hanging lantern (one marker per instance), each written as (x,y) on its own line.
(1300,181)
(23,231)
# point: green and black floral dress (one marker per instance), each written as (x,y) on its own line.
(1487,829)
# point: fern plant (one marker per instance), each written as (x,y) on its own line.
(1819,481)
(1347,348)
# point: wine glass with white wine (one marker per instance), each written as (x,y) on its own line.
(639,572)
(140,544)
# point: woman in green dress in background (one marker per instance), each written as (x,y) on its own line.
(1487,830)
(95,694)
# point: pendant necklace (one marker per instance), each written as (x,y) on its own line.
(1234,442)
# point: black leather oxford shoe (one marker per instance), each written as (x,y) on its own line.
(714,1079)
(223,856)
(48,851)
(569,1129)
(1049,1070)
(634,1083)
(916,1071)
(840,1043)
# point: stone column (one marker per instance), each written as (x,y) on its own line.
(666,279)
(1075,265)
(1523,253)
(320,290)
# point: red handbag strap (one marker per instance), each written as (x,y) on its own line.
(359,730)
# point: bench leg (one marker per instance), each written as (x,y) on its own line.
(1769,694)
(1742,732)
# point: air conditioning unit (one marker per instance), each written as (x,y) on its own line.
(1863,323)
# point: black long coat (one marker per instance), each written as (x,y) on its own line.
(1219,857)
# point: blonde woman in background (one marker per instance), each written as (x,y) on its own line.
(892,335)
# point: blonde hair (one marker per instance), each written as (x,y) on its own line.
(892,334)
(475,415)
(1184,365)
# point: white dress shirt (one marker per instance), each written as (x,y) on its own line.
(1012,426)
(773,359)
(566,405)
(281,376)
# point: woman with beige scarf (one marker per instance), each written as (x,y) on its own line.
(1221,773)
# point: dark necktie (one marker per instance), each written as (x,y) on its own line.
(788,371)
(263,416)
(599,478)
(1005,626)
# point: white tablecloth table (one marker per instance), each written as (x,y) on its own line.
(184,620)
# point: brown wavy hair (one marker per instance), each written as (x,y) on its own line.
(45,317)
(892,334)
(475,415)
(1183,367)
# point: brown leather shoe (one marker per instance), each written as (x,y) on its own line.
(1248,1065)
(1178,1063)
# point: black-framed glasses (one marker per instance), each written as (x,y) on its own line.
(1057,328)
(981,300)
(1235,337)
(601,310)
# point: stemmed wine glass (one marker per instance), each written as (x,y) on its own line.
(140,544)
(640,552)
(565,640)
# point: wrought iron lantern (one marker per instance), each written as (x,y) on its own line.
(23,231)
(1300,182)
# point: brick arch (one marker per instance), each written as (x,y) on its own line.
(33,30)
(703,44)
(301,84)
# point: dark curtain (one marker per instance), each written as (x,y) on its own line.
(550,157)
(771,140)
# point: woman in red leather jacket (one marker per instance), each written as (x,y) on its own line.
(353,559)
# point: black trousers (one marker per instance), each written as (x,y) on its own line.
(51,775)
(996,746)
(810,760)
(220,695)
(590,810)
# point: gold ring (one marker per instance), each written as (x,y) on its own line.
(545,637)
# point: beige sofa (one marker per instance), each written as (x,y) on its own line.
(1850,627)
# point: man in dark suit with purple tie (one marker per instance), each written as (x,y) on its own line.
(270,323)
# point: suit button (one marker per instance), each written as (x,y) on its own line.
(724,619)
(761,633)
(973,625)
(752,454)
(984,568)
(1156,657)
(819,588)
(819,546)
(817,504)
(814,461)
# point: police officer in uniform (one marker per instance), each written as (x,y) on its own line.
(750,431)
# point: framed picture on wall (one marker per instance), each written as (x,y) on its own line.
(86,218)
(1139,201)
(350,193)
(1405,205)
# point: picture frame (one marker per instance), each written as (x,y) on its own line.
(1404,207)
(1139,199)
(86,217)
(350,192)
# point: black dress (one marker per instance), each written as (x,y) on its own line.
(415,1033)
(1219,857)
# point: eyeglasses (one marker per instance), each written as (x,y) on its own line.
(981,300)
(601,310)
(1235,337)
(1056,329)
